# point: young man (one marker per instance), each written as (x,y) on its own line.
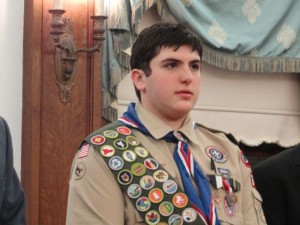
(12,200)
(278,180)
(155,165)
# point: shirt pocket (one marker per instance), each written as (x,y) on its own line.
(222,211)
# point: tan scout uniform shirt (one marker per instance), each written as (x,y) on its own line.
(95,196)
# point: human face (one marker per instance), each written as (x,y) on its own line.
(172,88)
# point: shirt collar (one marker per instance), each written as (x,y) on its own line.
(159,129)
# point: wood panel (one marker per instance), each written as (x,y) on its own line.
(51,129)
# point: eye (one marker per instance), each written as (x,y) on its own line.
(171,65)
(195,66)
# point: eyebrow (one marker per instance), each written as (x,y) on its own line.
(176,60)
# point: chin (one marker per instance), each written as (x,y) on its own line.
(185,106)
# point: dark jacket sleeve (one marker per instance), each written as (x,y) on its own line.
(12,199)
(267,179)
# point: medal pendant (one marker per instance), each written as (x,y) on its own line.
(217,196)
(234,198)
(229,200)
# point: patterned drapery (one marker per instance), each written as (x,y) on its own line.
(245,35)
(248,35)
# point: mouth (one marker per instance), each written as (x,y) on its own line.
(187,93)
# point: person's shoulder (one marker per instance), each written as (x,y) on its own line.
(104,128)
(2,121)
(3,125)
(218,132)
(281,159)
(98,133)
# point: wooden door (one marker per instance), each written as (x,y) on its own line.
(52,129)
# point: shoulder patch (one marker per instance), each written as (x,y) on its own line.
(84,150)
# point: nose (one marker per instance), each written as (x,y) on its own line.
(186,75)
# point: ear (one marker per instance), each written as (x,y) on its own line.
(138,78)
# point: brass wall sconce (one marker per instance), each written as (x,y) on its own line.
(66,52)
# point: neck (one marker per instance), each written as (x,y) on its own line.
(175,124)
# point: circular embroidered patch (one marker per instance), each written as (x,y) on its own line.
(175,219)
(147,182)
(161,175)
(156,195)
(216,154)
(152,217)
(98,139)
(132,140)
(129,156)
(170,186)
(138,169)
(79,171)
(134,191)
(125,177)
(180,200)
(151,164)
(107,151)
(189,215)
(121,144)
(111,134)
(143,204)
(166,208)
(116,163)
(124,130)
(141,151)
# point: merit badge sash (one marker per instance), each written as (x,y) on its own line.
(151,189)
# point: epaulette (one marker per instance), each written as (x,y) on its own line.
(230,136)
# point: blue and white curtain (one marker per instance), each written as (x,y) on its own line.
(244,35)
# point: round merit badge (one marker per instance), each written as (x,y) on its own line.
(143,204)
(216,154)
(121,144)
(134,191)
(189,215)
(166,208)
(175,219)
(152,217)
(132,140)
(125,177)
(151,163)
(180,200)
(156,195)
(116,163)
(147,182)
(138,169)
(129,156)
(124,130)
(161,175)
(111,134)
(107,151)
(98,139)
(170,186)
(141,151)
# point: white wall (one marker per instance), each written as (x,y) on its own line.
(11,56)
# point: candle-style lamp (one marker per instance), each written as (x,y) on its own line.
(65,49)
